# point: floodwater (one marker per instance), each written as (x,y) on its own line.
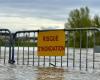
(29,72)
(13,72)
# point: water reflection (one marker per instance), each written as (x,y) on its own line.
(50,74)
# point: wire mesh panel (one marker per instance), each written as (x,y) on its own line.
(79,49)
(5,46)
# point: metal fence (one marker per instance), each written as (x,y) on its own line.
(5,46)
(81,51)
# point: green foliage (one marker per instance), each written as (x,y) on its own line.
(80,18)
(3,42)
(20,43)
(25,43)
(96,21)
(97,38)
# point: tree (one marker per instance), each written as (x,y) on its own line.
(96,21)
(79,18)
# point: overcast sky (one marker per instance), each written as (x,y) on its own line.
(33,14)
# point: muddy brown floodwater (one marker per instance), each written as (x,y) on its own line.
(50,74)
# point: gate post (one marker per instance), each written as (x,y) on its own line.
(13,43)
(9,50)
(11,54)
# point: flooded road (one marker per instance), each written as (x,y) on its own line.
(29,72)
(13,72)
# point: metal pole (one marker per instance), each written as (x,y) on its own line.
(5,43)
(68,39)
(87,51)
(74,50)
(23,46)
(80,46)
(18,49)
(34,47)
(13,44)
(44,62)
(93,50)
(28,50)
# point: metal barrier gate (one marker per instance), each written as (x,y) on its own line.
(79,51)
(5,46)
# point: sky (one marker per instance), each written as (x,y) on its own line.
(36,14)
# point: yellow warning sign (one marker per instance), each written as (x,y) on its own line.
(51,43)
